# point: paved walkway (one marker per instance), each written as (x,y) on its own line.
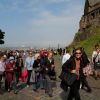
(28,94)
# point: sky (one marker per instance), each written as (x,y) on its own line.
(40,23)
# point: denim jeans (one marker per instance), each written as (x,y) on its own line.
(29,76)
(48,85)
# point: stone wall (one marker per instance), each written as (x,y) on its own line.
(91,18)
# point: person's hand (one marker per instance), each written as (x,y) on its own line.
(73,71)
(52,66)
(46,69)
(11,69)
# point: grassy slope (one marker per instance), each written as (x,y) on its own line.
(89,43)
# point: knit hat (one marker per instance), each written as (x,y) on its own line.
(11,58)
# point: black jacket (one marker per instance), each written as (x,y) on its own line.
(19,64)
(70,65)
(37,65)
(47,66)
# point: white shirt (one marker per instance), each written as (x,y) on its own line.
(29,63)
(65,57)
(96,55)
(2,66)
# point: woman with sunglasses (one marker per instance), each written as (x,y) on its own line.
(29,66)
(75,66)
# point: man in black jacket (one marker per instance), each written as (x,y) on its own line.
(75,66)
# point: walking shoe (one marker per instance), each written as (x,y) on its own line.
(50,95)
(89,90)
(27,86)
(46,92)
(15,92)
(35,90)
(8,90)
(96,78)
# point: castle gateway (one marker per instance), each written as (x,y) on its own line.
(91,14)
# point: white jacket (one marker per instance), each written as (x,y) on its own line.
(65,57)
(2,66)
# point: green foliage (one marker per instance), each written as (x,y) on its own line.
(89,43)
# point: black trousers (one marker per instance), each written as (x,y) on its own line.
(17,76)
(0,80)
(29,76)
(74,91)
(85,83)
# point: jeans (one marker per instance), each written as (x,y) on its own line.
(36,84)
(42,81)
(48,85)
(29,76)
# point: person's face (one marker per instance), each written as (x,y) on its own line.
(4,58)
(78,54)
(50,55)
(30,54)
(97,48)
(11,61)
(38,57)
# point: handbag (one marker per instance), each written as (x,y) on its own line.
(97,65)
(68,78)
(94,58)
(87,70)
(24,75)
(64,86)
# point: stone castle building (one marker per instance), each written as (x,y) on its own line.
(91,14)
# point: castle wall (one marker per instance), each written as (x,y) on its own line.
(92,17)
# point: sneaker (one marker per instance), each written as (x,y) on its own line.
(96,78)
(46,92)
(50,95)
(89,90)
(27,86)
(8,90)
(15,92)
(80,86)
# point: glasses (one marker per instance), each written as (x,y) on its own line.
(78,53)
(97,48)
(30,53)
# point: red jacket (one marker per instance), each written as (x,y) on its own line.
(10,67)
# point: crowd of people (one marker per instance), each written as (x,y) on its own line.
(37,68)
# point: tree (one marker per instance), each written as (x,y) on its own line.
(2,34)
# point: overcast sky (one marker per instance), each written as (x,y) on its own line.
(40,22)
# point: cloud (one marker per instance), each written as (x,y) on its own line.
(42,22)
(57,1)
(55,29)
(27,5)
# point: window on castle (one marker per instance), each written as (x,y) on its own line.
(93,15)
(99,11)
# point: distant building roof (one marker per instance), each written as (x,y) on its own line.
(93,2)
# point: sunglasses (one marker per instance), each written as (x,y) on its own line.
(78,53)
